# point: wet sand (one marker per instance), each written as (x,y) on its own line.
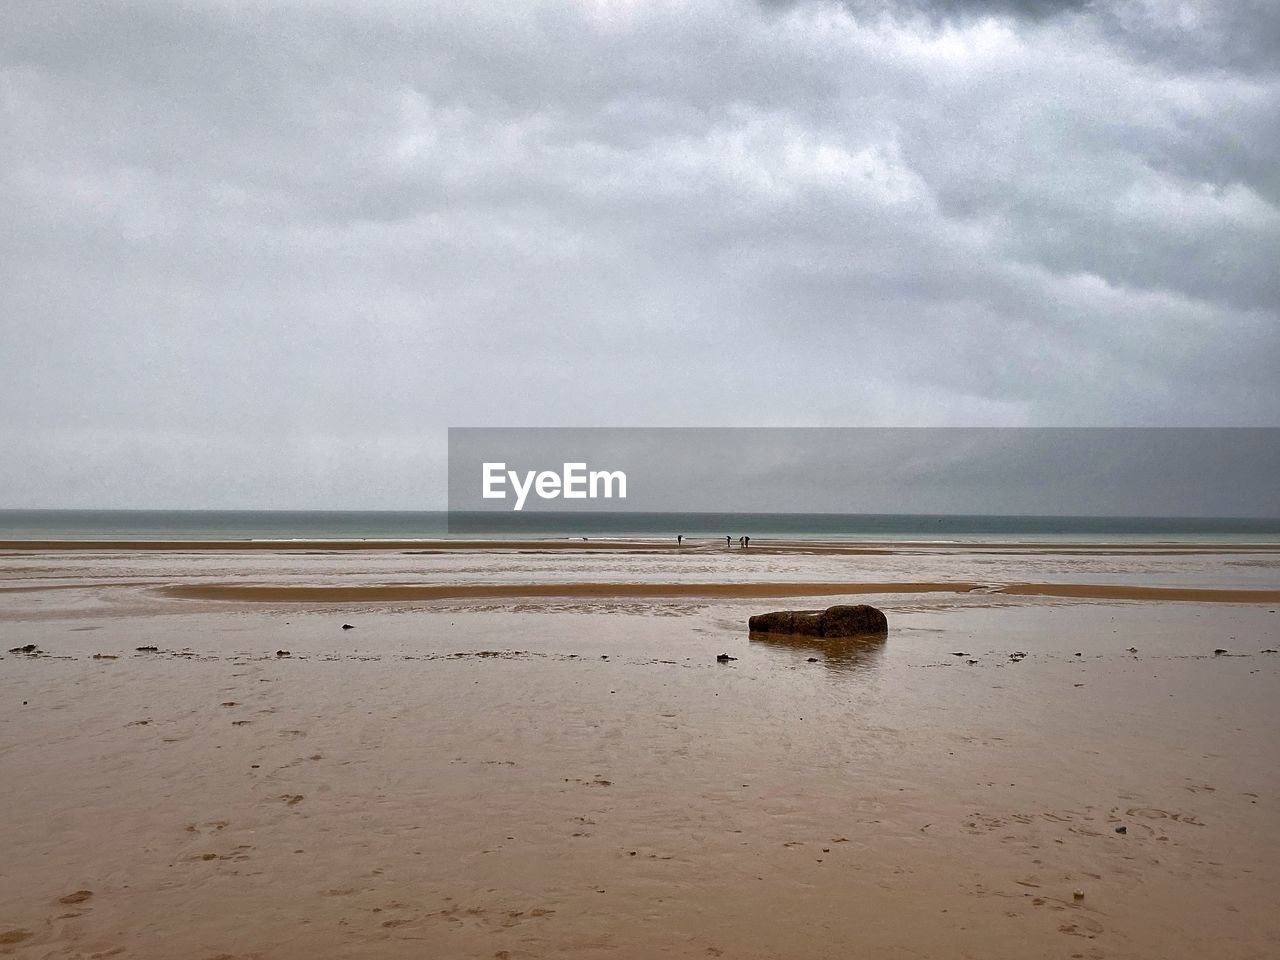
(569,772)
(259,593)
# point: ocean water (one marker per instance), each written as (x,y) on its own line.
(414,525)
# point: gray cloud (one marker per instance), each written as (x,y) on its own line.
(262,256)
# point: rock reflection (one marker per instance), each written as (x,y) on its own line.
(841,654)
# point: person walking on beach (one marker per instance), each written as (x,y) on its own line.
(679,539)
(727,541)
(746,542)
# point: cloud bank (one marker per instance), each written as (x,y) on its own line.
(262,255)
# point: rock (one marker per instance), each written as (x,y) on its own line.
(1077,894)
(838,621)
(1122,829)
(812,660)
(348,626)
(1219,652)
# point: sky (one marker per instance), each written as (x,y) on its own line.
(263,255)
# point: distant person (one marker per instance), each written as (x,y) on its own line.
(679,539)
(727,541)
(746,542)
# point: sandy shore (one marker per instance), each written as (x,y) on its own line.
(260,593)
(535,754)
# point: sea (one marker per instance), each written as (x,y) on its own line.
(431,525)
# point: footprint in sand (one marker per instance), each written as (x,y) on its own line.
(10,937)
(1155,813)
(80,896)
(292,799)
(236,854)
(1082,927)
(207,825)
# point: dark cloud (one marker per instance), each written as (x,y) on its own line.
(250,253)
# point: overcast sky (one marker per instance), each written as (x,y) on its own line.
(262,255)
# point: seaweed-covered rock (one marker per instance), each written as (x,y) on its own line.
(843,620)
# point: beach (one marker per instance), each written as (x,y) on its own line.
(525,749)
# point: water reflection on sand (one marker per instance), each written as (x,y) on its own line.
(840,654)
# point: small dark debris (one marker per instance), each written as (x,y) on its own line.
(282,653)
(348,626)
(1219,652)
(1268,651)
(959,654)
(972,662)
(1122,829)
(147,649)
(1133,649)
(27,648)
(724,658)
